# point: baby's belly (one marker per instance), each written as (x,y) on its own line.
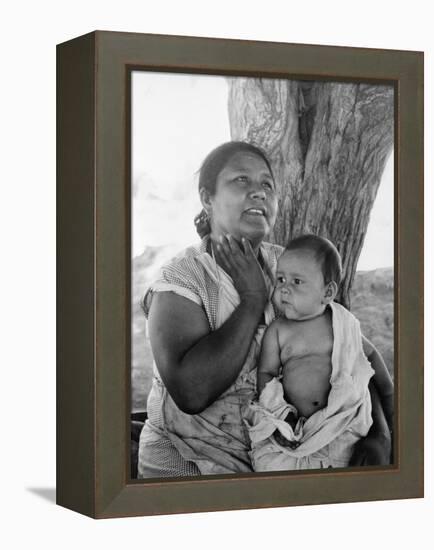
(306,383)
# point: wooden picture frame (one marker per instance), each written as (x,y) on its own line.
(93,364)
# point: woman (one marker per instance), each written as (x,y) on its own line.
(207,314)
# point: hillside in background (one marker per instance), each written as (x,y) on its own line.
(144,270)
(371,302)
(372,299)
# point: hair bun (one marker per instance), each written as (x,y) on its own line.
(201,221)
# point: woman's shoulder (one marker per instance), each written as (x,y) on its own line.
(180,274)
(185,257)
(186,266)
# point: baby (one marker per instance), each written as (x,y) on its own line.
(313,375)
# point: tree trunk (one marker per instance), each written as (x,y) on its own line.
(328,144)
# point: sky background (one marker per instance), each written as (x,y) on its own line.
(176,120)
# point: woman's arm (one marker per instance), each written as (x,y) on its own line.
(269,361)
(195,364)
(382,380)
(376,448)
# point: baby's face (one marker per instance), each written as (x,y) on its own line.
(300,289)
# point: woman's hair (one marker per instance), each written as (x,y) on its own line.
(211,167)
(325,253)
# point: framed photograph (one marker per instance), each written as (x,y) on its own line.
(240,274)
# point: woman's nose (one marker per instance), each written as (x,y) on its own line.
(258,193)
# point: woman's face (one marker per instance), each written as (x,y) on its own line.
(245,201)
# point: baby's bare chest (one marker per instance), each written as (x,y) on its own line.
(305,356)
(305,341)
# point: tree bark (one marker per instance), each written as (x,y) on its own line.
(328,144)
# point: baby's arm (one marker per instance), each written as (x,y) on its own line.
(269,361)
(269,366)
(382,380)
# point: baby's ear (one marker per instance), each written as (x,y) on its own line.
(330,292)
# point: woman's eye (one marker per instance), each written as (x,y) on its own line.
(268,185)
(241,179)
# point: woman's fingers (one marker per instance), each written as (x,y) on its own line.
(242,265)
(239,257)
(247,245)
(225,254)
(233,247)
(222,257)
(232,251)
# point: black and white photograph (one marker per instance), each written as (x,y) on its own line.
(216,237)
(262,274)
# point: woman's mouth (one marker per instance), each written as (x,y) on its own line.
(255,212)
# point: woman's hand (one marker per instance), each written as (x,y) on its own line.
(243,266)
(376,448)
(372,450)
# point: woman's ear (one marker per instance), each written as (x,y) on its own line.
(205,199)
(330,292)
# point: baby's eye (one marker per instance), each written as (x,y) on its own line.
(281,280)
(297,281)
